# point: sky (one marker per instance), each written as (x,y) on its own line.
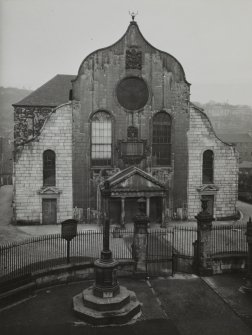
(212,39)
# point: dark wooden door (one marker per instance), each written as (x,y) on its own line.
(49,211)
(131,209)
(156,209)
(115,210)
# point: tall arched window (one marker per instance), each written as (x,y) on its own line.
(101,139)
(49,168)
(207,168)
(161,139)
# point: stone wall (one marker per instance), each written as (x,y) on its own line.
(95,88)
(28,122)
(56,135)
(201,137)
(229,263)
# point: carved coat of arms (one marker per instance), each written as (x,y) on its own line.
(133,59)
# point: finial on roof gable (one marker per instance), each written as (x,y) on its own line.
(133,15)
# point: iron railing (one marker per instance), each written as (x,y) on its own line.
(164,243)
(44,252)
(164,246)
(170,250)
(228,239)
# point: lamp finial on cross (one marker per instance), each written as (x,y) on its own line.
(133,15)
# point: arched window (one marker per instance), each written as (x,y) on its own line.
(161,139)
(207,168)
(101,139)
(49,168)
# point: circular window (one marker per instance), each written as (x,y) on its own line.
(132,93)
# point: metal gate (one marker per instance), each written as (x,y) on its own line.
(170,251)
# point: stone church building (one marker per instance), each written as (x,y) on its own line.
(126,117)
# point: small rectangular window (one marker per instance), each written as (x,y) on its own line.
(207,169)
(49,168)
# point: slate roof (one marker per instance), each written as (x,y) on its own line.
(236,138)
(53,93)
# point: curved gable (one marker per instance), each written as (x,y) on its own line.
(132,38)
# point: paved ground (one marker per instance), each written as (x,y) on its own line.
(184,305)
(8,232)
(12,233)
(229,288)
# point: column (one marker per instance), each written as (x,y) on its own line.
(140,240)
(202,262)
(106,284)
(148,206)
(122,212)
(163,223)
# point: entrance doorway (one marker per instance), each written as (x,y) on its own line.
(49,211)
(115,210)
(131,209)
(156,209)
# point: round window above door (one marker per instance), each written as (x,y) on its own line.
(132,93)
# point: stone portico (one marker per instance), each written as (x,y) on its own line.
(131,184)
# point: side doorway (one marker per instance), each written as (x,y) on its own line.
(49,211)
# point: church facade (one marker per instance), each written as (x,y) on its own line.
(125,118)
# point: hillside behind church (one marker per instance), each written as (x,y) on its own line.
(225,118)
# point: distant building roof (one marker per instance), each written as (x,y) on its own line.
(53,93)
(245,165)
(236,138)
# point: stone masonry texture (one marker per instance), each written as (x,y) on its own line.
(56,135)
(95,88)
(67,131)
(201,137)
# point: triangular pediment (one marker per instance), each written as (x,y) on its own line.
(49,190)
(208,188)
(135,180)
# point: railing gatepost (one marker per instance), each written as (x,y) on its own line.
(140,240)
(202,246)
(248,286)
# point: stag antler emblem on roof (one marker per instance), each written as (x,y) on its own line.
(133,15)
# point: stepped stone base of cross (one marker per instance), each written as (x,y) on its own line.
(106,302)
